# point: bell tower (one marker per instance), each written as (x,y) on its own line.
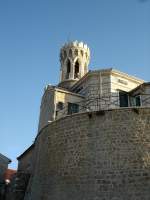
(74,59)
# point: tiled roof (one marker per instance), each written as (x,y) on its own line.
(9,174)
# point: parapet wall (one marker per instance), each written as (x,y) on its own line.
(102,155)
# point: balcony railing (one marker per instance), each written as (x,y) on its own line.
(104,103)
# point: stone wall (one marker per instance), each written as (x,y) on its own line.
(101,155)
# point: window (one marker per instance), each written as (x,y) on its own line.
(76,52)
(86,55)
(138,100)
(76,70)
(132,101)
(65,54)
(123,99)
(73,108)
(60,105)
(135,100)
(68,68)
(70,53)
(56,113)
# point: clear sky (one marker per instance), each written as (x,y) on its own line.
(31,34)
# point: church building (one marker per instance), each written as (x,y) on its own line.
(93,136)
(83,90)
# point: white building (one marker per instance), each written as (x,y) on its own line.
(81,90)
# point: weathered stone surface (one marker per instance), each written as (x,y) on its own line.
(101,155)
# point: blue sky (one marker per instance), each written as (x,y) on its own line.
(31,35)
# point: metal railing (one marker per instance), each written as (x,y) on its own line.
(104,102)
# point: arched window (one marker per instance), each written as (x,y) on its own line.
(68,69)
(76,69)
(81,52)
(86,55)
(76,52)
(70,53)
(65,54)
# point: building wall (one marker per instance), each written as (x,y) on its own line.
(21,179)
(66,97)
(101,88)
(3,168)
(121,82)
(101,155)
(47,108)
(96,88)
(99,91)
(145,96)
(144,93)
(25,163)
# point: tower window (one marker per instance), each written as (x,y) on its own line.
(76,52)
(68,68)
(76,71)
(81,52)
(65,54)
(86,55)
(70,53)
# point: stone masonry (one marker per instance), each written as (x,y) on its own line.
(103,155)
